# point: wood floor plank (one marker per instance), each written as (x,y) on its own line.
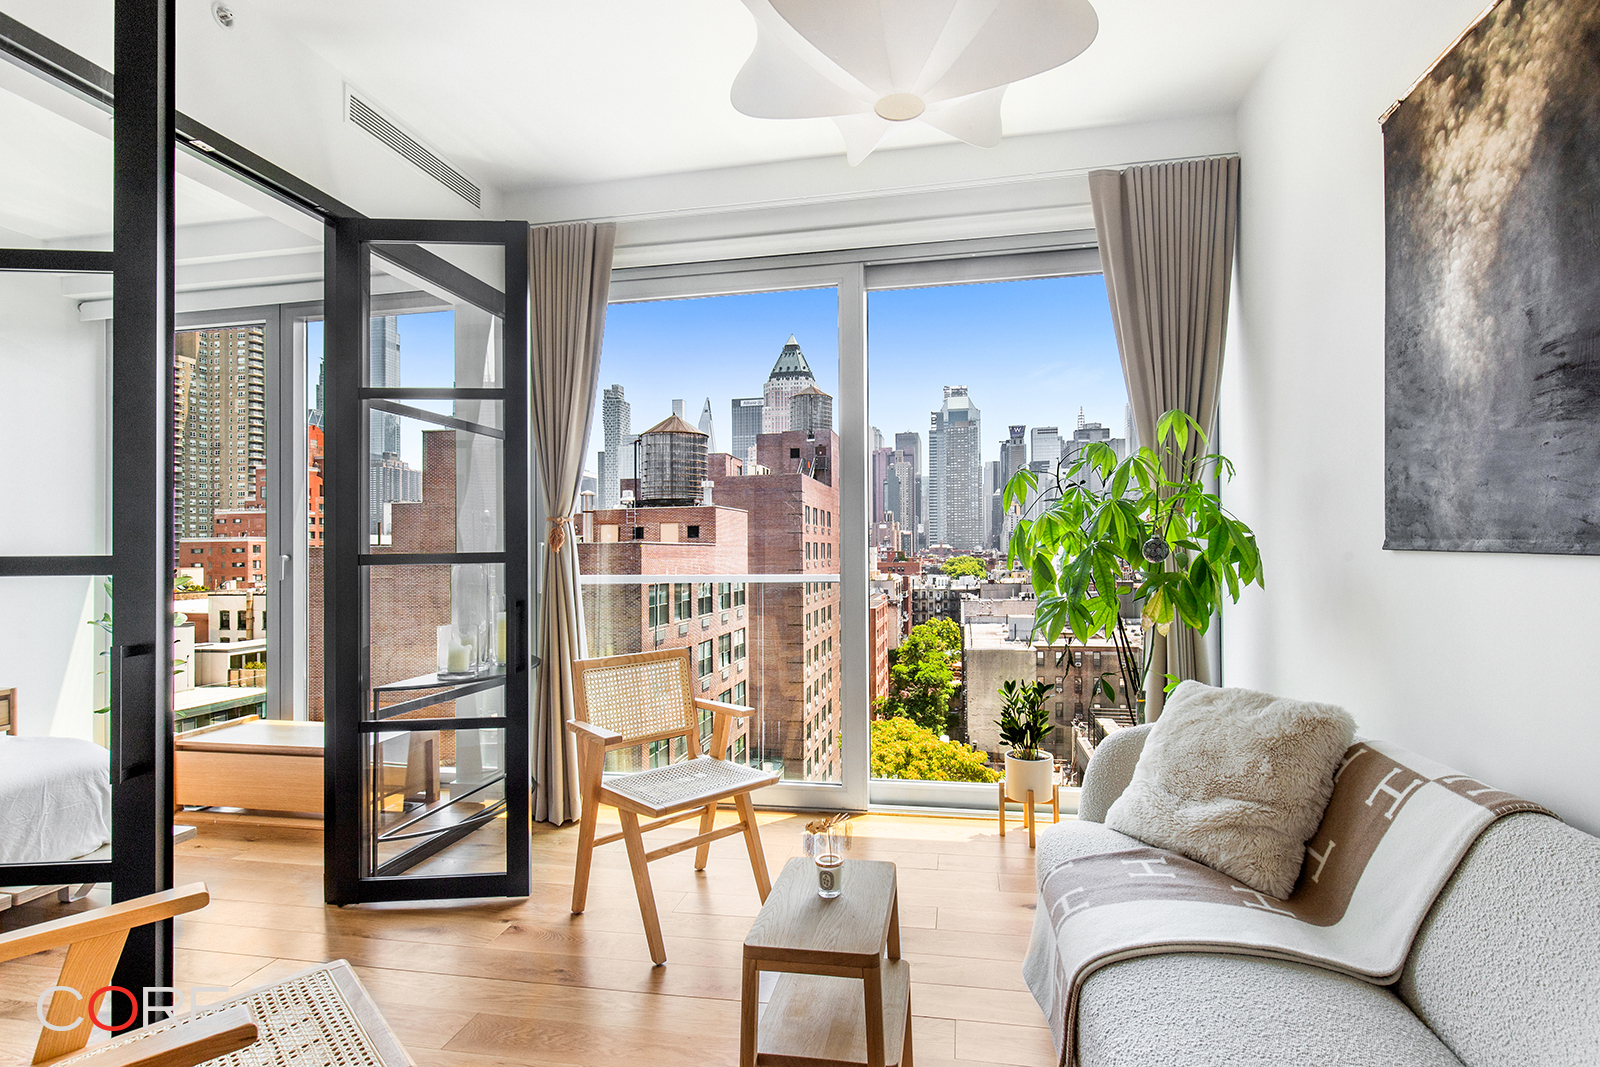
(988,1042)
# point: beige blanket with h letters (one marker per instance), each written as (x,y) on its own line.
(1394,831)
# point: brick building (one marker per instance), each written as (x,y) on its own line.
(883,625)
(710,618)
(231,562)
(794,530)
(779,523)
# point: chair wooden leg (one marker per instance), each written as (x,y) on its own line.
(641,885)
(1001,785)
(580,877)
(708,822)
(1032,818)
(752,842)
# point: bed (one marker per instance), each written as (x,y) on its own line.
(55,798)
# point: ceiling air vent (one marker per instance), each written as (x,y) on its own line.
(370,119)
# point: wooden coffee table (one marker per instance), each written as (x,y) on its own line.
(813,1018)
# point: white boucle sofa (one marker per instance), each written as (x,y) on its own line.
(1505,971)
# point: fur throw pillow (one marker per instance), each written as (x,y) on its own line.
(1237,780)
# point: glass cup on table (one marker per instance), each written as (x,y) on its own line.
(826,853)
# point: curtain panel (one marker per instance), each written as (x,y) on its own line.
(569,281)
(1167,235)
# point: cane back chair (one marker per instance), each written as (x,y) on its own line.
(623,701)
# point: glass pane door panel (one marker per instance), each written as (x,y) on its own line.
(441,491)
(437,636)
(55,778)
(436,802)
(54,376)
(712,521)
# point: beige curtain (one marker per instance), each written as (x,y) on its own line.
(1166,244)
(569,279)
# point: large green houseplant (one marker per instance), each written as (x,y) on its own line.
(1096,528)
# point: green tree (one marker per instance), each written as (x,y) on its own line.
(920,675)
(965,566)
(903,749)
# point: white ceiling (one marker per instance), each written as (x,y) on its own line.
(527,93)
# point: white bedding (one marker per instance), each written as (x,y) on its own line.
(55,798)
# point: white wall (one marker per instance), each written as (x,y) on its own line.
(53,429)
(1482,661)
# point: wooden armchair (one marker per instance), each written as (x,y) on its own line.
(94,940)
(624,701)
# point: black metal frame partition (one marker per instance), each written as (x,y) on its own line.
(347,560)
(140,560)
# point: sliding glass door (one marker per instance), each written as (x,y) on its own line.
(426,598)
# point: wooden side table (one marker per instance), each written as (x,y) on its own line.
(812,1018)
(1029,817)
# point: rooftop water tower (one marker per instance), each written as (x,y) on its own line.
(671,464)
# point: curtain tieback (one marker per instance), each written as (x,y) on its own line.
(558,531)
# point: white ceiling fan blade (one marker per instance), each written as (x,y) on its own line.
(1020,39)
(785,78)
(912,31)
(974,119)
(862,133)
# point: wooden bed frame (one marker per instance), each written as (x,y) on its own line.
(8,712)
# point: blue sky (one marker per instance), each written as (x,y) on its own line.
(1030,352)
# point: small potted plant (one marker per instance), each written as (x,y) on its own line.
(1024,724)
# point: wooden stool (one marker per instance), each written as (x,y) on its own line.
(1028,816)
(811,1018)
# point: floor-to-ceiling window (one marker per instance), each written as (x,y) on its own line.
(711,514)
(969,384)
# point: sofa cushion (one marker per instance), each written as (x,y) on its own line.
(1506,967)
(1201,1010)
(1236,780)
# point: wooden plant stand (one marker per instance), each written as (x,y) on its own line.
(1029,816)
(812,1018)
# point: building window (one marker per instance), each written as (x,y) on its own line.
(223,620)
(724,595)
(707,717)
(738,594)
(794,453)
(739,749)
(693,533)
(638,533)
(660,605)
(725,650)
(708,601)
(683,601)
(707,658)
(738,694)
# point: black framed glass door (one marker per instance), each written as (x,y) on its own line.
(425,570)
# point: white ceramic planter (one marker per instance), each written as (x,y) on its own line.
(1025,774)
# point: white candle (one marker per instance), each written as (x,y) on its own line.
(500,638)
(460,657)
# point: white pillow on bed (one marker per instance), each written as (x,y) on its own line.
(1237,780)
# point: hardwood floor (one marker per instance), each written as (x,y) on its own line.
(494,982)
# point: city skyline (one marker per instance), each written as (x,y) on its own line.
(1030,352)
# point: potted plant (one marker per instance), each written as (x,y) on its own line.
(1151,523)
(1024,724)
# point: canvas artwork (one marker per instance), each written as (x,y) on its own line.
(1492,193)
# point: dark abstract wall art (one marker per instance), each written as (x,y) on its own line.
(1492,378)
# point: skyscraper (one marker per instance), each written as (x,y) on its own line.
(384,373)
(389,478)
(790,375)
(745,426)
(881,458)
(916,521)
(1013,453)
(955,472)
(706,428)
(616,418)
(220,411)
(1046,442)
